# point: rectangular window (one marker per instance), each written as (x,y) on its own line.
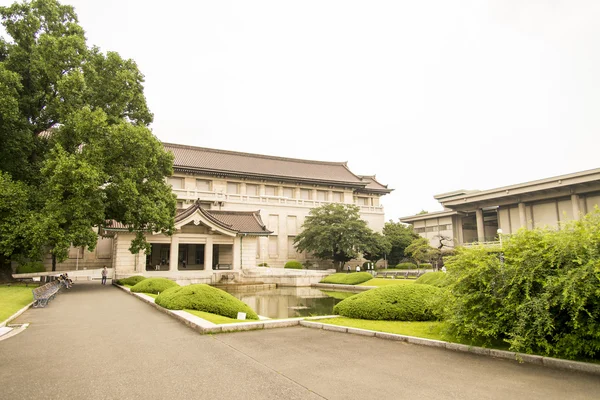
(233,188)
(251,190)
(305,194)
(431,229)
(338,197)
(291,249)
(199,254)
(179,205)
(176,183)
(445,227)
(322,195)
(292,225)
(273,223)
(273,247)
(202,184)
(288,192)
(420,230)
(103,248)
(271,190)
(362,201)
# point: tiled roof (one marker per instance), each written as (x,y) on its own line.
(223,161)
(373,184)
(248,222)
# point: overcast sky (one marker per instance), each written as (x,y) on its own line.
(431,96)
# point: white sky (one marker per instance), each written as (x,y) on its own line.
(432,96)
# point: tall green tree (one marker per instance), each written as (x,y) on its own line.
(74,138)
(334,232)
(376,247)
(400,236)
(421,251)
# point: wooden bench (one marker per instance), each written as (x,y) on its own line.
(43,294)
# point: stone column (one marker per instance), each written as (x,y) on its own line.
(575,204)
(243,188)
(208,254)
(236,253)
(480,226)
(522,215)
(174,256)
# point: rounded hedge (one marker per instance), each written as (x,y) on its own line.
(263,265)
(437,279)
(206,298)
(393,303)
(343,278)
(30,267)
(406,265)
(294,265)
(153,285)
(132,280)
(425,265)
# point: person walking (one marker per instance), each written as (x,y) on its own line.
(358,268)
(104,275)
(348,269)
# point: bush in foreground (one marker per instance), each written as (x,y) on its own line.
(437,279)
(153,285)
(30,267)
(204,298)
(294,265)
(543,297)
(131,281)
(353,278)
(393,303)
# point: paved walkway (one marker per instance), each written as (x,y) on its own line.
(96,342)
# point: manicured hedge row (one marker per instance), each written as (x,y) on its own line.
(132,280)
(294,265)
(437,279)
(204,298)
(353,278)
(153,285)
(393,303)
(30,267)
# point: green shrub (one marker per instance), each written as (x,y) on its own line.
(425,266)
(153,285)
(437,279)
(393,303)
(204,298)
(131,281)
(542,297)
(406,265)
(263,265)
(31,267)
(294,265)
(353,278)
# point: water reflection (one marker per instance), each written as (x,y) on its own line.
(290,302)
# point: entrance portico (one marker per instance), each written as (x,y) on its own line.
(204,241)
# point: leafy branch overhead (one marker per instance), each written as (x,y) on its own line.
(74,138)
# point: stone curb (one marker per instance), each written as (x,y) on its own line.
(15,315)
(482,351)
(234,327)
(345,288)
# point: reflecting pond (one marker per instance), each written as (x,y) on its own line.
(289,302)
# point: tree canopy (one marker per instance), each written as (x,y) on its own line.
(334,232)
(376,247)
(399,236)
(75,147)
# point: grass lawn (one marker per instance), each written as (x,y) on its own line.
(428,330)
(386,282)
(216,319)
(13,298)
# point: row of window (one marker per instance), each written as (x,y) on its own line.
(254,190)
(434,228)
(273,248)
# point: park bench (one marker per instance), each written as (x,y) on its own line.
(43,294)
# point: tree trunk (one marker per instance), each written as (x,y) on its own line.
(5,269)
(53,262)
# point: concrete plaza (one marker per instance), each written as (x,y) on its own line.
(97,342)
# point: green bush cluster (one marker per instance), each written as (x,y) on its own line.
(353,278)
(542,297)
(437,279)
(30,267)
(153,285)
(406,265)
(204,298)
(131,281)
(393,303)
(294,265)
(424,265)
(263,265)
